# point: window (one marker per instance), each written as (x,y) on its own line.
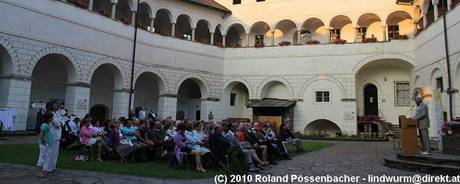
(402,96)
(232,99)
(323,96)
(335,34)
(260,0)
(259,39)
(393,32)
(236,1)
(439,84)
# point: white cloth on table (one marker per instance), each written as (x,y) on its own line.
(8,118)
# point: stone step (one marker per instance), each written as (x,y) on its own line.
(437,169)
(431,159)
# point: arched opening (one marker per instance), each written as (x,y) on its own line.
(370,27)
(371,100)
(260,34)
(123,11)
(429,14)
(184,27)
(218,38)
(236,98)
(400,25)
(341,29)
(189,99)
(104,7)
(6,67)
(100,112)
(389,78)
(455,3)
(418,17)
(442,7)
(144,17)
(105,80)
(322,128)
(146,91)
(313,29)
(235,36)
(49,81)
(202,33)
(163,22)
(275,89)
(286,32)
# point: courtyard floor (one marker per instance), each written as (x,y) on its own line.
(351,158)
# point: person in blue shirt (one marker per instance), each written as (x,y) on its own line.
(44,142)
(129,132)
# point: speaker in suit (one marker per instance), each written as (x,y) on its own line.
(421,115)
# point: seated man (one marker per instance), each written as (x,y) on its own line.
(289,138)
(219,145)
(157,136)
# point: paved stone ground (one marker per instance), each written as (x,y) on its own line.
(351,158)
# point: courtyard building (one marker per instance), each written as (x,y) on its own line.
(318,65)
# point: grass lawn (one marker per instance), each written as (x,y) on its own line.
(27,154)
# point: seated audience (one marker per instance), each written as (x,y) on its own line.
(91,137)
(181,147)
(219,145)
(287,136)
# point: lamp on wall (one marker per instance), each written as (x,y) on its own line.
(385,78)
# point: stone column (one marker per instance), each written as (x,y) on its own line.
(133,18)
(425,21)
(247,39)
(167,106)
(356,34)
(77,98)
(328,34)
(193,33)
(120,103)
(173,29)
(114,8)
(385,33)
(436,10)
(273,38)
(15,93)
(449,5)
(90,5)
(212,39)
(152,24)
(223,40)
(299,34)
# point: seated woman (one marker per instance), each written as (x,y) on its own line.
(288,137)
(241,135)
(195,137)
(181,146)
(131,142)
(89,137)
(271,137)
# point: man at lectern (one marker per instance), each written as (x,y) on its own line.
(421,115)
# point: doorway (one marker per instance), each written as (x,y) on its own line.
(371,104)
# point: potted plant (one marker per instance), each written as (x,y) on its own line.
(312,42)
(284,43)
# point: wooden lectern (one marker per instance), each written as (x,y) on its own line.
(409,141)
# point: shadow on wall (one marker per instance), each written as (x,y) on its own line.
(322,128)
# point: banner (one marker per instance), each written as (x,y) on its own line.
(438,115)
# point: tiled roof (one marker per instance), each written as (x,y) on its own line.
(211,4)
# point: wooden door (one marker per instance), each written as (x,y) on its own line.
(274,120)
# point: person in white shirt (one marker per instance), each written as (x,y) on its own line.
(56,133)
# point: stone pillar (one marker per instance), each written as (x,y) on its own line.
(120,103)
(223,40)
(328,34)
(77,98)
(273,38)
(114,9)
(299,34)
(90,5)
(193,33)
(133,18)
(152,24)
(173,29)
(208,105)
(356,34)
(167,106)
(247,39)
(385,33)
(425,21)
(15,93)
(212,39)
(436,10)
(449,5)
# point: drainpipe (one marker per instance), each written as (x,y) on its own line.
(450,91)
(131,89)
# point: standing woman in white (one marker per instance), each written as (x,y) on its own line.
(56,131)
